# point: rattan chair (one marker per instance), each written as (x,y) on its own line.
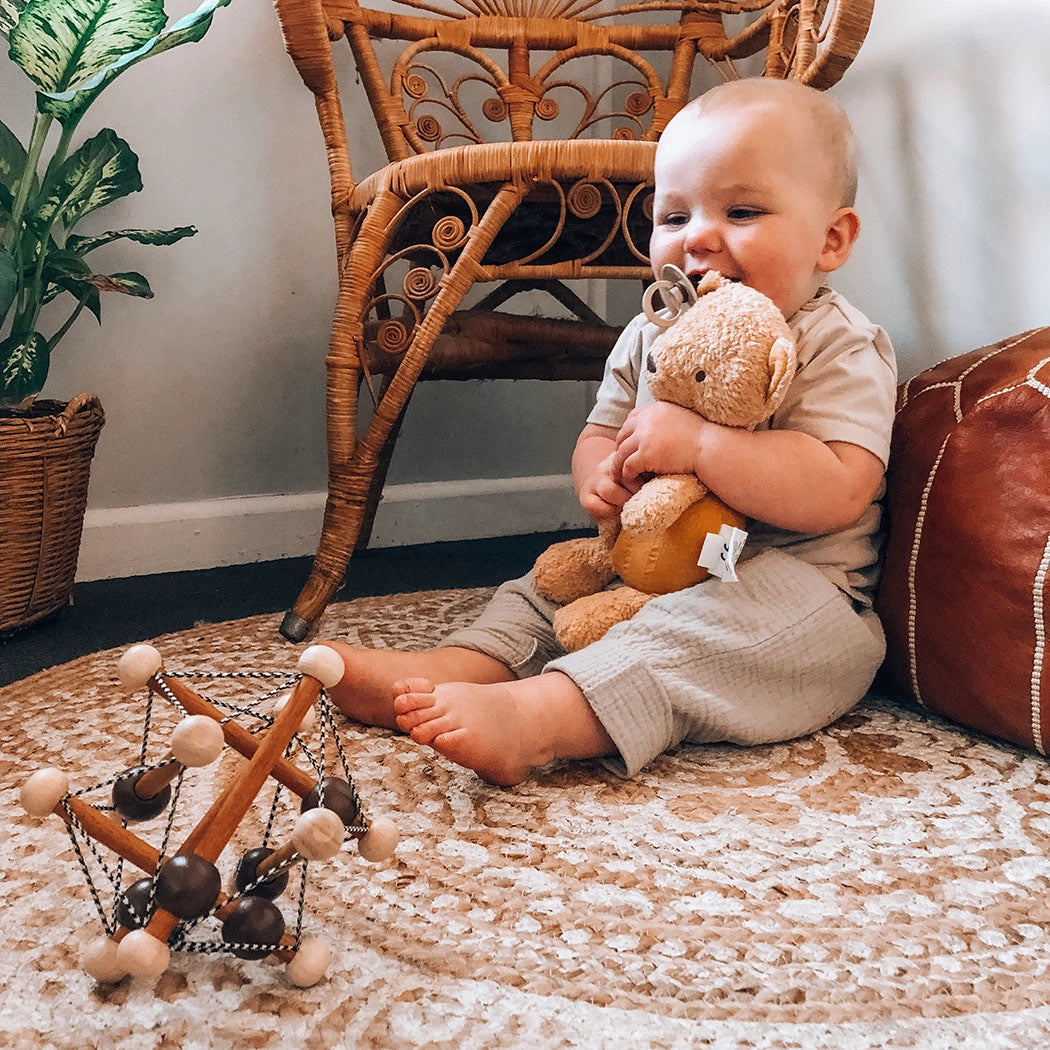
(510,167)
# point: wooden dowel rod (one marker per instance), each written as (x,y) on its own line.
(106,831)
(221,822)
(154,781)
(237,736)
(280,856)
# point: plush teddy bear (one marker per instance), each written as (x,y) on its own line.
(727,353)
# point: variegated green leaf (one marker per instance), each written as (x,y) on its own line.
(83,245)
(8,282)
(69,101)
(59,43)
(26,360)
(9,10)
(104,169)
(12,156)
(61,266)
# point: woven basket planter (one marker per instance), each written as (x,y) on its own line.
(45,462)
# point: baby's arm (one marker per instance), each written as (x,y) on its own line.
(785,478)
(595,473)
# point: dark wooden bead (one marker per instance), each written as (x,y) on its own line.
(246,871)
(128,803)
(188,886)
(133,902)
(253,921)
(337,795)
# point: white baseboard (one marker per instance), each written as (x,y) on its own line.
(172,537)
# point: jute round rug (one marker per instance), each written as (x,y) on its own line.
(881,884)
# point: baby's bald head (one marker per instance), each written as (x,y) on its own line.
(819,123)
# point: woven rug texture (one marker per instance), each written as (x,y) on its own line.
(883,883)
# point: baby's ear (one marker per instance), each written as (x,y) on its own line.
(781,369)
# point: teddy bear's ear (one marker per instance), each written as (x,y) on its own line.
(781,369)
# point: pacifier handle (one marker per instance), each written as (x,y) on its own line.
(676,292)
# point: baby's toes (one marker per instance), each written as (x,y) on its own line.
(415,717)
(413,685)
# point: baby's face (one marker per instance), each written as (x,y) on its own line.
(744,191)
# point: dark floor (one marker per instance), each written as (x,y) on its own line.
(108,613)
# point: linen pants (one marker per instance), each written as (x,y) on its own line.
(777,654)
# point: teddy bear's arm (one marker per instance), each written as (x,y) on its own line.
(660,502)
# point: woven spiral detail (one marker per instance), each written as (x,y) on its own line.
(638,102)
(624,134)
(494,109)
(428,128)
(584,200)
(419,283)
(448,233)
(415,85)
(546,109)
(392,337)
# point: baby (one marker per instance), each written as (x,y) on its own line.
(755,179)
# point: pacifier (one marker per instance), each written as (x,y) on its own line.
(676,293)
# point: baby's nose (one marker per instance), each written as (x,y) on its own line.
(702,235)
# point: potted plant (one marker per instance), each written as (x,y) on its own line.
(71,50)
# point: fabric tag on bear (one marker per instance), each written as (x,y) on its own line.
(721,550)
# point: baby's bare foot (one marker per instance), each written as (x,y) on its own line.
(367,689)
(482,727)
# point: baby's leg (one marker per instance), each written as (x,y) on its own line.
(504,730)
(374,676)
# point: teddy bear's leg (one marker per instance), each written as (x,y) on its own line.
(588,618)
(573,568)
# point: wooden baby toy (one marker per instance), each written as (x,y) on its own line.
(183,886)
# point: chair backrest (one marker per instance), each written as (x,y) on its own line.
(469,71)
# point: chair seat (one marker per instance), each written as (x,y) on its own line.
(489,344)
(616,160)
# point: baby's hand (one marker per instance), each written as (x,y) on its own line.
(658,438)
(603,493)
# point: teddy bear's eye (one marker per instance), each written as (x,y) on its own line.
(650,363)
(701,376)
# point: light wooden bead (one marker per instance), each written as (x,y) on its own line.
(197,741)
(318,834)
(323,663)
(100,959)
(142,955)
(310,962)
(137,666)
(43,791)
(379,841)
(308,719)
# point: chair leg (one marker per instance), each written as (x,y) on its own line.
(351,477)
(378,481)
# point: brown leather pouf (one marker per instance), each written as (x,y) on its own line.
(964,593)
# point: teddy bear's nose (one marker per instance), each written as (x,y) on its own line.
(650,363)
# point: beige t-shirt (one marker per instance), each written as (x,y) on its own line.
(843,390)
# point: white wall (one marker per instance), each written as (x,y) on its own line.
(213,449)
(950,102)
